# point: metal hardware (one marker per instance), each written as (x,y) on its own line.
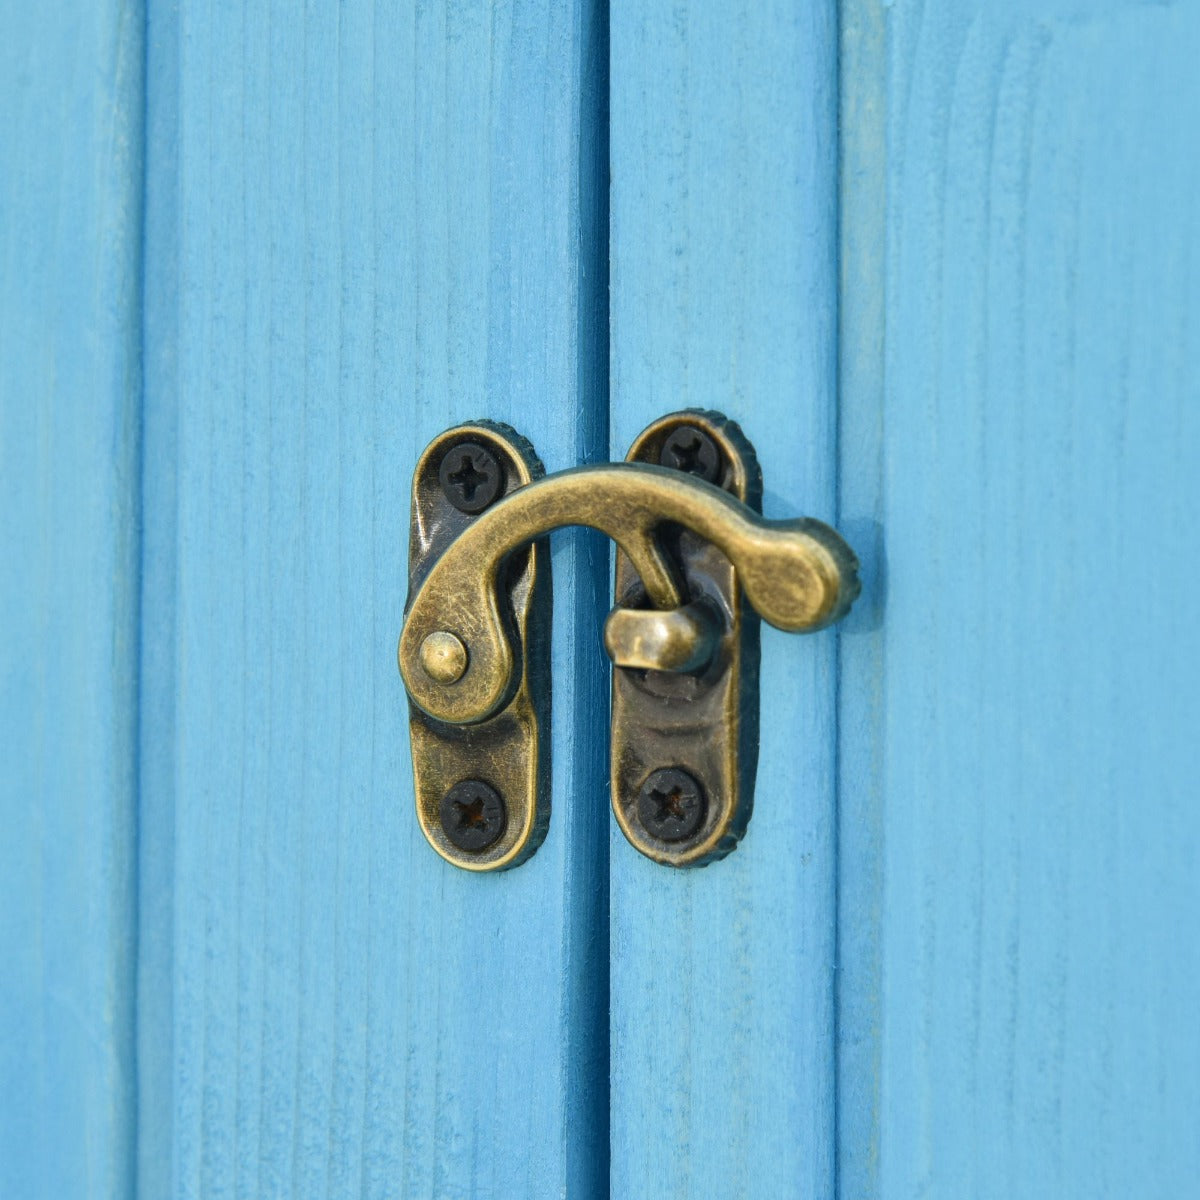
(689,448)
(504,752)
(648,639)
(473,815)
(471,477)
(701,724)
(671,804)
(473,651)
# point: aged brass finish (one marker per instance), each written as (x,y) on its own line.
(698,729)
(791,571)
(685,679)
(651,639)
(443,657)
(505,753)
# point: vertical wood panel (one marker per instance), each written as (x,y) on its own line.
(386,220)
(862,400)
(1030,741)
(723,224)
(70,232)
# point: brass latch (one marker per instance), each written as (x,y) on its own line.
(474,651)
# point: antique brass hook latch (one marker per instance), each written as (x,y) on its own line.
(692,548)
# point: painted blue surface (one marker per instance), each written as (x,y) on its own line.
(1020,833)
(378,222)
(724,287)
(70,245)
(254,259)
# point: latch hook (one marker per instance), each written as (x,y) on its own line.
(465,649)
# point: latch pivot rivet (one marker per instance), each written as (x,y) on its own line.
(443,657)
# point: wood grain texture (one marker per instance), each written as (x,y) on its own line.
(723,150)
(377,222)
(862,397)
(70,232)
(1018,736)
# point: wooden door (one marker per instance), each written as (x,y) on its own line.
(1020,364)
(939,260)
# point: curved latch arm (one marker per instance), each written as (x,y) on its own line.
(798,575)
(694,558)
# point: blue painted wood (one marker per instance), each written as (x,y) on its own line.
(1018,715)
(158,681)
(723,146)
(70,231)
(862,412)
(362,225)
(369,223)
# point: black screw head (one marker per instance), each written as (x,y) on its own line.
(471,477)
(691,449)
(671,804)
(473,815)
